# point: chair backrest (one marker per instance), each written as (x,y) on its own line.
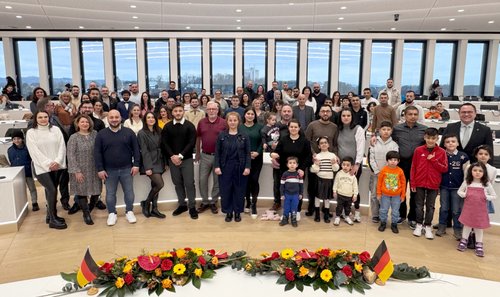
(497,135)
(488,107)
(480,117)
(454,106)
(11,131)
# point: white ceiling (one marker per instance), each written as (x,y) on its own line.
(255,15)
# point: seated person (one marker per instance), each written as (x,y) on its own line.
(433,114)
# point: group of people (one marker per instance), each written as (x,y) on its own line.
(308,135)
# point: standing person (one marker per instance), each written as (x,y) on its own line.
(47,148)
(222,102)
(435,90)
(235,106)
(195,114)
(292,189)
(269,99)
(134,121)
(471,133)
(164,117)
(270,133)
(392,93)
(391,190)
(207,132)
(153,164)
(450,182)
(370,108)
(249,90)
(135,97)
(428,164)
(259,111)
(310,101)
(337,101)
(383,112)
(38,93)
(476,191)
(302,112)
(87,108)
(345,191)
(125,106)
(108,101)
(100,114)
(245,100)
(252,129)
(359,115)
(351,142)
(318,96)
(19,156)
(117,158)
(173,92)
(162,101)
(367,94)
(83,177)
(232,165)
(146,104)
(76,96)
(410,101)
(65,110)
(186,101)
(178,139)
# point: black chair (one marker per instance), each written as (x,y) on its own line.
(441,131)
(488,98)
(454,106)
(480,117)
(497,135)
(455,98)
(496,161)
(11,131)
(488,107)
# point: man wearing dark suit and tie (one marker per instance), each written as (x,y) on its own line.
(125,106)
(470,134)
(303,113)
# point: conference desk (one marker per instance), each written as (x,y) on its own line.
(14,114)
(13,199)
(6,125)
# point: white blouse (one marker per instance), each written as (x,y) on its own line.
(135,126)
(46,146)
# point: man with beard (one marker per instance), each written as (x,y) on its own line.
(318,96)
(303,113)
(135,96)
(392,93)
(108,102)
(161,101)
(75,96)
(195,114)
(359,115)
(173,92)
(249,90)
(270,94)
(410,101)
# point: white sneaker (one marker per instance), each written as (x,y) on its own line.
(298,216)
(130,217)
(336,222)
(246,210)
(428,232)
(357,217)
(112,219)
(418,230)
(348,220)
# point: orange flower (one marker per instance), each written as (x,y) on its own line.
(215,261)
(119,282)
(180,253)
(198,272)
(166,283)
(158,271)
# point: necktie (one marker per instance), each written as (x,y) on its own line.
(467,133)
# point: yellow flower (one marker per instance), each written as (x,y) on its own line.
(358,267)
(198,272)
(127,268)
(248,267)
(166,283)
(287,254)
(179,269)
(303,271)
(158,271)
(165,255)
(100,263)
(326,275)
(122,259)
(198,251)
(215,261)
(119,282)
(180,253)
(132,262)
(264,255)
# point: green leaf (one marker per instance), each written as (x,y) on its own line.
(282,280)
(208,274)
(315,285)
(111,291)
(299,285)
(171,289)
(196,282)
(121,292)
(69,277)
(105,291)
(349,287)
(159,290)
(323,286)
(289,286)
(331,285)
(358,288)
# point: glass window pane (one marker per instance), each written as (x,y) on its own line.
(318,64)
(125,54)
(158,65)
(413,59)
(60,65)
(254,63)
(190,66)
(350,67)
(497,77)
(92,56)
(444,66)
(27,66)
(381,68)
(287,62)
(2,60)
(222,66)
(474,69)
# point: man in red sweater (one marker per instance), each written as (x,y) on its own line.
(428,164)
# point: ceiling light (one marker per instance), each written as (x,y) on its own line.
(19,16)
(393,29)
(136,27)
(291,3)
(8,7)
(461,10)
(338,28)
(239,10)
(289,28)
(238,21)
(81,27)
(135,17)
(188,27)
(341,18)
(133,6)
(28,27)
(443,29)
(491,22)
(343,7)
(451,20)
(238,28)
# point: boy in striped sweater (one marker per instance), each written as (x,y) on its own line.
(292,189)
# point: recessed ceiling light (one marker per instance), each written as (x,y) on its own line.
(81,27)
(28,27)
(491,22)
(8,7)
(19,16)
(238,21)
(452,20)
(393,29)
(136,27)
(338,28)
(188,27)
(289,28)
(135,17)
(190,3)
(443,29)
(133,6)
(291,3)
(239,10)
(343,7)
(341,18)
(238,28)
(461,10)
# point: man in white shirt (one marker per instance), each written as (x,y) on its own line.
(410,101)
(134,93)
(394,95)
(367,93)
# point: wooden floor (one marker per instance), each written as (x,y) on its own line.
(37,251)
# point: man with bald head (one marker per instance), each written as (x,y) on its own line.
(303,112)
(117,156)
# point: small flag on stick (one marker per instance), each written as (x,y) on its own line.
(88,270)
(382,263)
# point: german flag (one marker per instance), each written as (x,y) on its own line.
(382,263)
(88,270)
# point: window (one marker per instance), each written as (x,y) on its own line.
(190,66)
(125,54)
(59,61)
(381,69)
(497,77)
(92,56)
(26,66)
(255,63)
(413,67)
(2,61)
(318,64)
(475,61)
(287,62)
(222,66)
(444,66)
(350,67)
(158,66)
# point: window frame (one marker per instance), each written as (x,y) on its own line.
(266,43)
(484,65)
(179,69)
(453,64)
(361,62)
(297,70)
(212,90)
(422,65)
(113,41)
(330,55)
(49,62)
(148,89)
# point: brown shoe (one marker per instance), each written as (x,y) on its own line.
(202,208)
(276,207)
(214,209)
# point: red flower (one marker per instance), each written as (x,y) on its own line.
(275,255)
(325,252)
(128,278)
(166,265)
(187,249)
(289,275)
(347,270)
(202,261)
(222,256)
(107,267)
(364,257)
(211,252)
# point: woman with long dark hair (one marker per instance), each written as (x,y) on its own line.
(38,93)
(146,104)
(310,101)
(337,102)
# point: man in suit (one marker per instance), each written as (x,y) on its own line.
(303,113)
(470,134)
(125,106)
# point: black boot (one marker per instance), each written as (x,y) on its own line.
(284,220)
(75,208)
(93,201)
(52,212)
(154,209)
(326,215)
(65,203)
(146,204)
(47,217)
(82,201)
(294,220)
(316,214)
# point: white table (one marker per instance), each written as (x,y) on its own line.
(14,114)
(5,143)
(6,125)
(14,201)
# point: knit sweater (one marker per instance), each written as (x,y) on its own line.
(291,183)
(254,136)
(391,182)
(178,139)
(325,169)
(345,184)
(115,150)
(46,145)
(383,113)
(319,128)
(377,153)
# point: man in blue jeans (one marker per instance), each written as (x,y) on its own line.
(117,158)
